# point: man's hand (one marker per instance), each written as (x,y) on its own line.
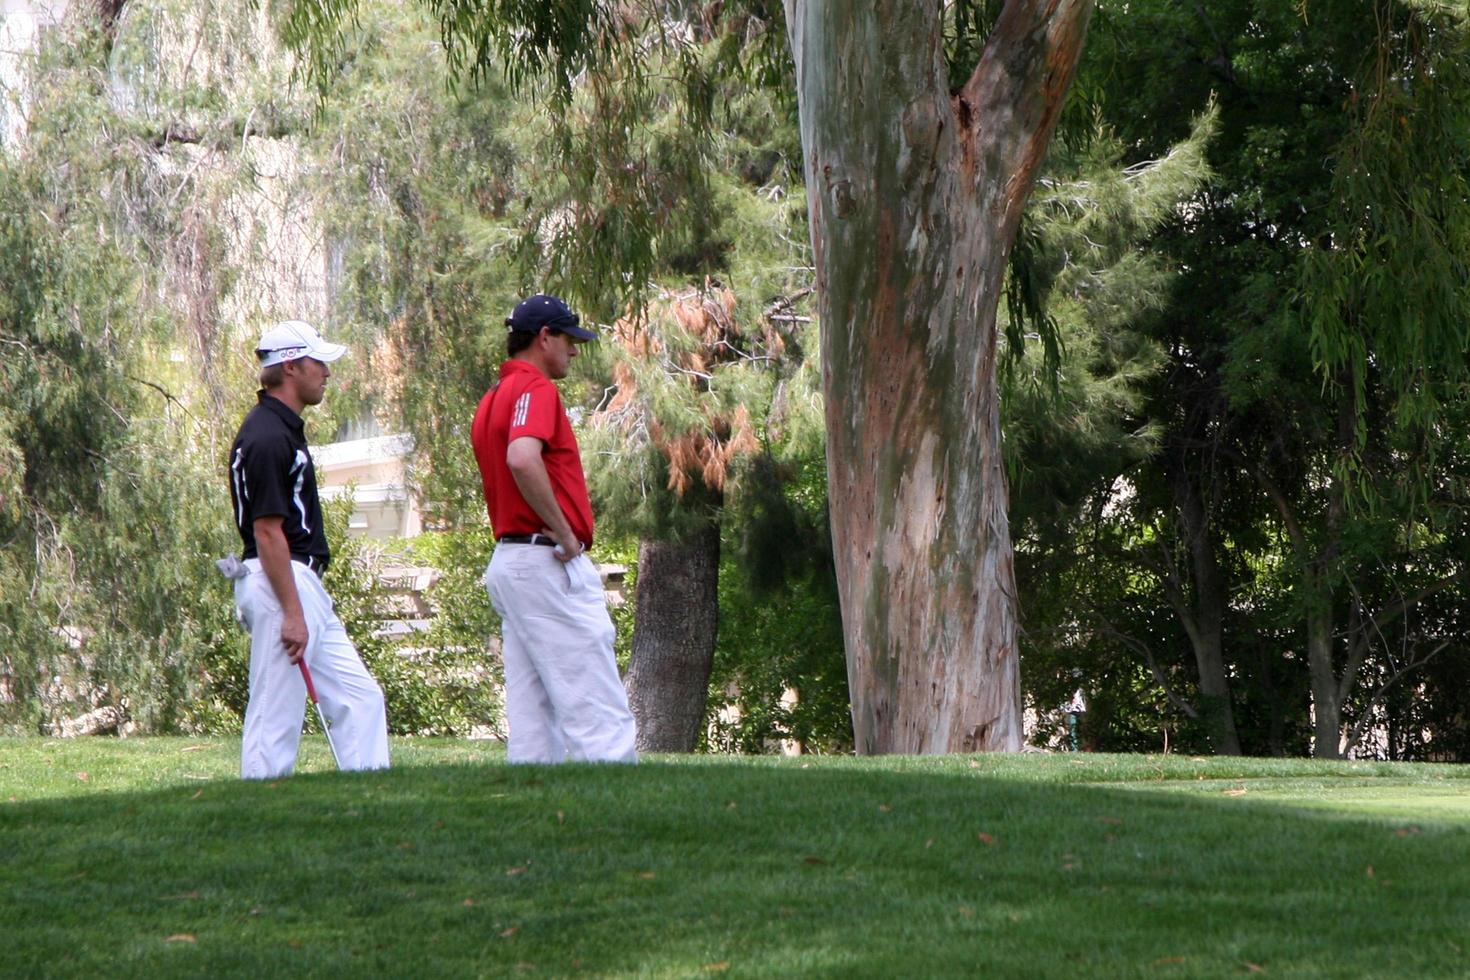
(294,636)
(567,547)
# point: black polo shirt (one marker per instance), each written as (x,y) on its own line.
(271,474)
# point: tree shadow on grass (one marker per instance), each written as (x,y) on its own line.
(672,869)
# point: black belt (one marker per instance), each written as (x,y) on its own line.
(318,565)
(550,542)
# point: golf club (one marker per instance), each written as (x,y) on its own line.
(326,729)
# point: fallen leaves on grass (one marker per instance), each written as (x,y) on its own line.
(716,967)
(813,860)
(561,817)
(1407,832)
(1115,821)
(405,845)
(197,793)
(181,937)
(507,933)
(82,777)
(193,748)
(1235,792)
(1254,967)
(985,839)
(1370,871)
(647,875)
(884,808)
(519,869)
(468,903)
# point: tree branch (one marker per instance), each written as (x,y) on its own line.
(1359,643)
(1355,735)
(168,395)
(1148,656)
(1016,94)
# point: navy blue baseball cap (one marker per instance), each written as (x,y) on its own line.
(530,315)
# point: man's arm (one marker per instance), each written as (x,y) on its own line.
(275,560)
(523,456)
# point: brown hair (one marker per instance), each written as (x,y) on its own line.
(273,376)
(518,340)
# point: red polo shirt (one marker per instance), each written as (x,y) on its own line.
(525,403)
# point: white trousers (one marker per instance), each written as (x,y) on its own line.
(351,700)
(563,697)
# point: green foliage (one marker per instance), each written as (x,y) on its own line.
(1329,141)
(101,597)
(439,682)
(423,178)
(456,648)
(780,673)
(621,190)
(1401,229)
(1069,430)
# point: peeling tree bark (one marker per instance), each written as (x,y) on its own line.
(914,197)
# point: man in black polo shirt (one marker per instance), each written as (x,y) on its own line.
(278,588)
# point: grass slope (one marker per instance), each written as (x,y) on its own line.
(147,858)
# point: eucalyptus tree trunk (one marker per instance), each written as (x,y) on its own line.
(676,617)
(914,196)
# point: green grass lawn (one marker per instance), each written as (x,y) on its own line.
(148,858)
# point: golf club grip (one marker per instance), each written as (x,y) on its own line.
(306,675)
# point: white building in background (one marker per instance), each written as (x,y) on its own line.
(21,23)
(375,472)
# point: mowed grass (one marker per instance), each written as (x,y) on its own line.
(148,858)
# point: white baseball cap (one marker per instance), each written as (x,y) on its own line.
(291,339)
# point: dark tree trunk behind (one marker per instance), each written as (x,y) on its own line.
(1205,622)
(677,614)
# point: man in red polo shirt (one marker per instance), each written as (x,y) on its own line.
(563,697)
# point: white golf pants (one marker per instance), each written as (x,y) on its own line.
(563,697)
(350,698)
